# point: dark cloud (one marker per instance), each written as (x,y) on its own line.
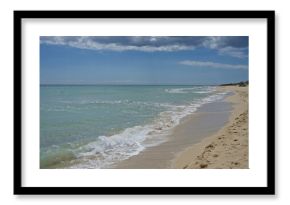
(227,41)
(235,46)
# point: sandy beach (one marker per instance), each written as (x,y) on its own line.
(216,136)
(227,148)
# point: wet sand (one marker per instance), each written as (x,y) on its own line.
(226,149)
(195,128)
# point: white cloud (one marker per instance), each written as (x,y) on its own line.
(224,48)
(88,43)
(212,42)
(223,45)
(234,52)
(209,64)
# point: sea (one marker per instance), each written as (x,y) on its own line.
(98,126)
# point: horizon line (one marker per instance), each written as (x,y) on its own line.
(119,84)
(167,84)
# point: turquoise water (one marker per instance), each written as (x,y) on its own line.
(97,126)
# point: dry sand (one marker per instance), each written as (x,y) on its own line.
(226,149)
(216,136)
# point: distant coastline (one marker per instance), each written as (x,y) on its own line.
(241,84)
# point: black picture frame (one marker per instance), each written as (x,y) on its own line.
(21,190)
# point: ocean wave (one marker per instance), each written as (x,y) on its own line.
(199,90)
(105,151)
(108,150)
(112,102)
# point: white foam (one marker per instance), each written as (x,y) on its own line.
(107,150)
(113,148)
(199,90)
(203,92)
(111,102)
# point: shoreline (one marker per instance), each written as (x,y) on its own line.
(228,147)
(214,136)
(194,128)
(207,119)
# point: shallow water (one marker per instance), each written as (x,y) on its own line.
(98,126)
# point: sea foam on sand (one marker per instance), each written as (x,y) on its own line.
(105,151)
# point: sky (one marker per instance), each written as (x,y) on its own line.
(157,60)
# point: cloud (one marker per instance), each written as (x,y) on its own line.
(234,52)
(218,42)
(99,44)
(209,64)
(212,42)
(235,46)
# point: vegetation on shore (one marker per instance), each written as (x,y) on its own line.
(240,84)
